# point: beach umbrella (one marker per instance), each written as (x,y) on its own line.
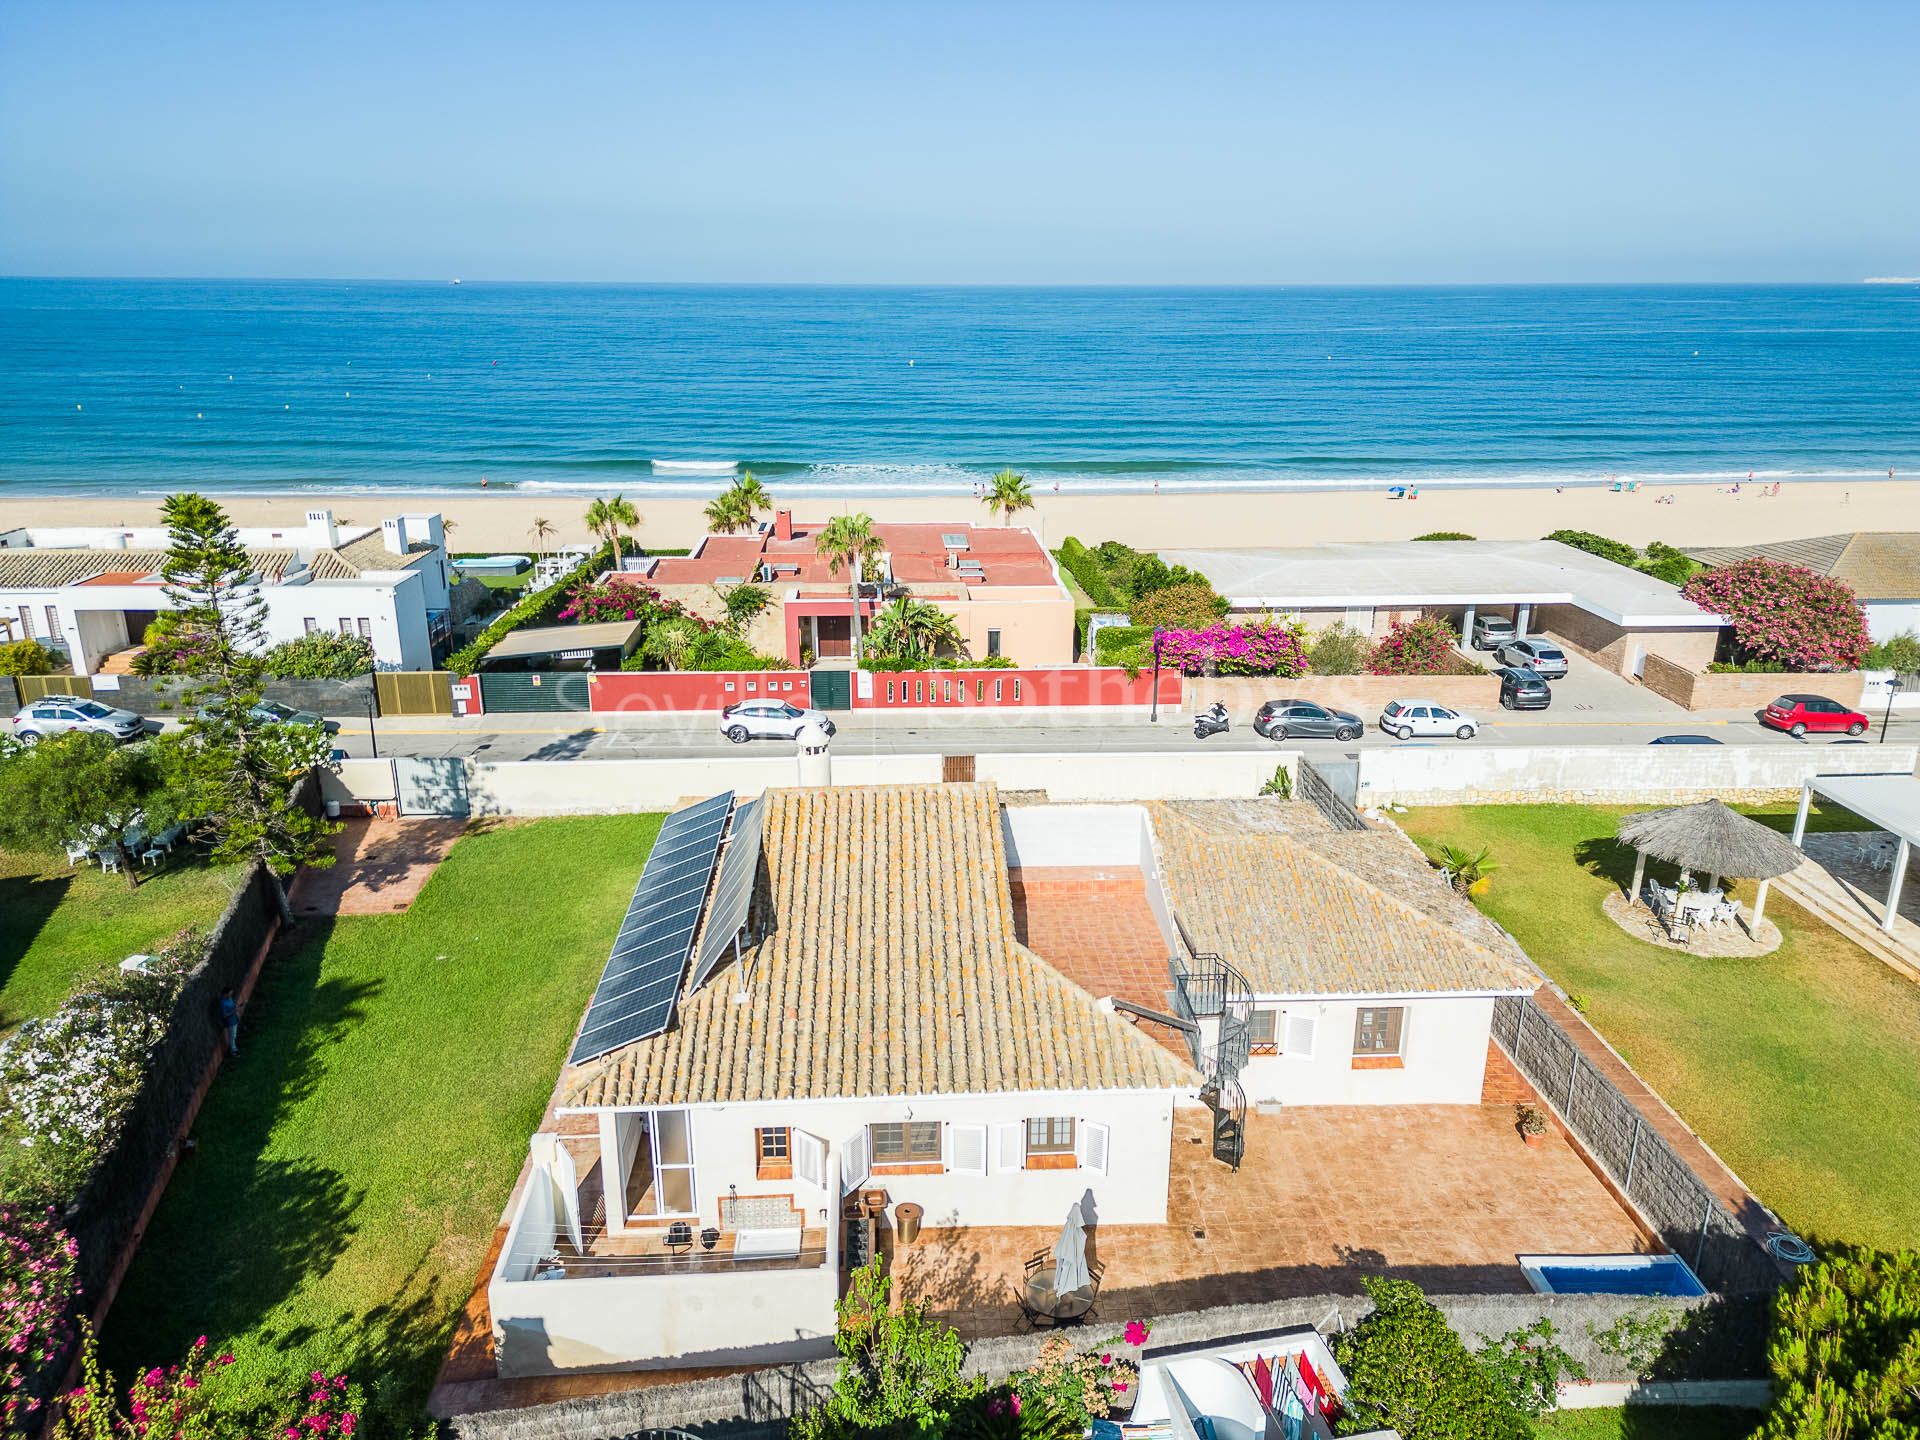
(1070,1271)
(1709,837)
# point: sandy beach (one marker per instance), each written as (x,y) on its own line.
(1698,514)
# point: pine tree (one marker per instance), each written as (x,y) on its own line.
(239,767)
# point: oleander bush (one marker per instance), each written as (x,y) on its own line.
(1784,614)
(1426,646)
(321,655)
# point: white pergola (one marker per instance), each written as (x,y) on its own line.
(1890,801)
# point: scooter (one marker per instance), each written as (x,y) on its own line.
(1211,722)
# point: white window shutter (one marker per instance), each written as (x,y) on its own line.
(1009,1146)
(1094,1141)
(856,1161)
(809,1158)
(1300,1035)
(969,1144)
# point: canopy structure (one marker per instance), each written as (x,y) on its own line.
(1890,801)
(1709,837)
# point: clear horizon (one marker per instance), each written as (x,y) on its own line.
(995,144)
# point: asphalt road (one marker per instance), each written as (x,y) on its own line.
(607,737)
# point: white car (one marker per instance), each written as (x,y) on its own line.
(1408,718)
(767,720)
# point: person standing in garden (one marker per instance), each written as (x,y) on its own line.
(230,1021)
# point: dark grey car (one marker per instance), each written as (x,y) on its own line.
(1304,720)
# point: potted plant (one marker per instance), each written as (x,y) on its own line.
(1531,1121)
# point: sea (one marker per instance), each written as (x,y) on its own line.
(115,387)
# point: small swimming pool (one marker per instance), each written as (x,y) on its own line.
(1610,1275)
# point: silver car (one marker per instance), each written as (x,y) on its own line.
(1543,657)
(57,714)
(272,712)
(767,720)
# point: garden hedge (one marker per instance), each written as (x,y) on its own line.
(1079,563)
(538,608)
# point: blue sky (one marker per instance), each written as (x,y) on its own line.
(1033,142)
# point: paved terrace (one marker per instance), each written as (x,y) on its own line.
(1444,1195)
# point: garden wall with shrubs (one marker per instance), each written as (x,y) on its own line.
(1745,690)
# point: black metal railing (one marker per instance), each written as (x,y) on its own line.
(1205,986)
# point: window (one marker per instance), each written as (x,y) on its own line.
(993,643)
(26,623)
(53,623)
(907,1143)
(310,624)
(1050,1135)
(366,628)
(1262,1032)
(346,625)
(980,690)
(1376,1029)
(773,1145)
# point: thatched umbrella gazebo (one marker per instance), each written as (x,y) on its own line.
(1712,838)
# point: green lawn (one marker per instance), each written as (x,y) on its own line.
(59,925)
(1798,1068)
(1650,1422)
(353,1163)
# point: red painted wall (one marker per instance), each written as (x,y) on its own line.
(474,704)
(695,690)
(1011,689)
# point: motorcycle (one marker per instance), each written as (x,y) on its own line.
(1211,722)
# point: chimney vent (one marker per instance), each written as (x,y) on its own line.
(783,524)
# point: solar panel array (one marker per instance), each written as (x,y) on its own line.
(732,892)
(636,994)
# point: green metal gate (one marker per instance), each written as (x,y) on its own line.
(541,690)
(832,689)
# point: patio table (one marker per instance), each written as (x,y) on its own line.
(1038,1299)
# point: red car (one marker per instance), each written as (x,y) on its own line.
(1797,714)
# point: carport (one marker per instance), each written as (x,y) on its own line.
(1890,801)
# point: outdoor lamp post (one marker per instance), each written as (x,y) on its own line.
(372,739)
(1154,716)
(1893,689)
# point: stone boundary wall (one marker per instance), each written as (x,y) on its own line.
(1705,691)
(1363,695)
(1718,1339)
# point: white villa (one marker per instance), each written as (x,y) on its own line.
(898,1034)
(91,592)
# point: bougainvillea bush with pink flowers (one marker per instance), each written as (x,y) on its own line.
(39,1292)
(1785,615)
(190,1401)
(1256,647)
(1427,646)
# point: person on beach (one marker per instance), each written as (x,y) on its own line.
(230,1021)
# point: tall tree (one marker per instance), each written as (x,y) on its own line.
(916,630)
(240,764)
(753,495)
(621,515)
(600,520)
(727,513)
(82,788)
(1007,493)
(848,543)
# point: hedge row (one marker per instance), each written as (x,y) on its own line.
(1118,644)
(1083,567)
(538,608)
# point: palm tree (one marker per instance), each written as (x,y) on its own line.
(670,641)
(753,495)
(915,629)
(1007,493)
(600,520)
(848,543)
(621,514)
(726,513)
(1466,870)
(540,530)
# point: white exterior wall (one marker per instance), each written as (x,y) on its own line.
(1443,1052)
(1888,618)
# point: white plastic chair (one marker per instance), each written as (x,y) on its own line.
(77,852)
(109,860)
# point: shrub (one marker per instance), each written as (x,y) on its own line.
(1123,645)
(1406,1370)
(1080,563)
(1281,785)
(1187,604)
(1617,551)
(321,655)
(1527,1365)
(1426,646)
(1785,613)
(25,657)
(39,1290)
(172,647)
(1256,648)
(1845,1352)
(911,664)
(1339,650)
(619,597)
(539,608)
(1444,535)
(1900,654)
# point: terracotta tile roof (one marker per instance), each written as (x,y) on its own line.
(1008,555)
(891,969)
(1878,564)
(49,569)
(1300,909)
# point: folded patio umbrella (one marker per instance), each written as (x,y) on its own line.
(1070,1254)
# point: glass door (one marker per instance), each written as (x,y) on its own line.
(673,1163)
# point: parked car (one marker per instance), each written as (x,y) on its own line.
(768,720)
(1523,689)
(272,712)
(1408,718)
(1684,740)
(1797,714)
(1302,719)
(57,714)
(1490,632)
(1543,657)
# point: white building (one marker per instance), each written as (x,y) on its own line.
(697,1194)
(91,592)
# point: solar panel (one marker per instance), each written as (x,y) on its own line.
(636,993)
(732,891)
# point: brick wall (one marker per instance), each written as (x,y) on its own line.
(1612,646)
(1699,691)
